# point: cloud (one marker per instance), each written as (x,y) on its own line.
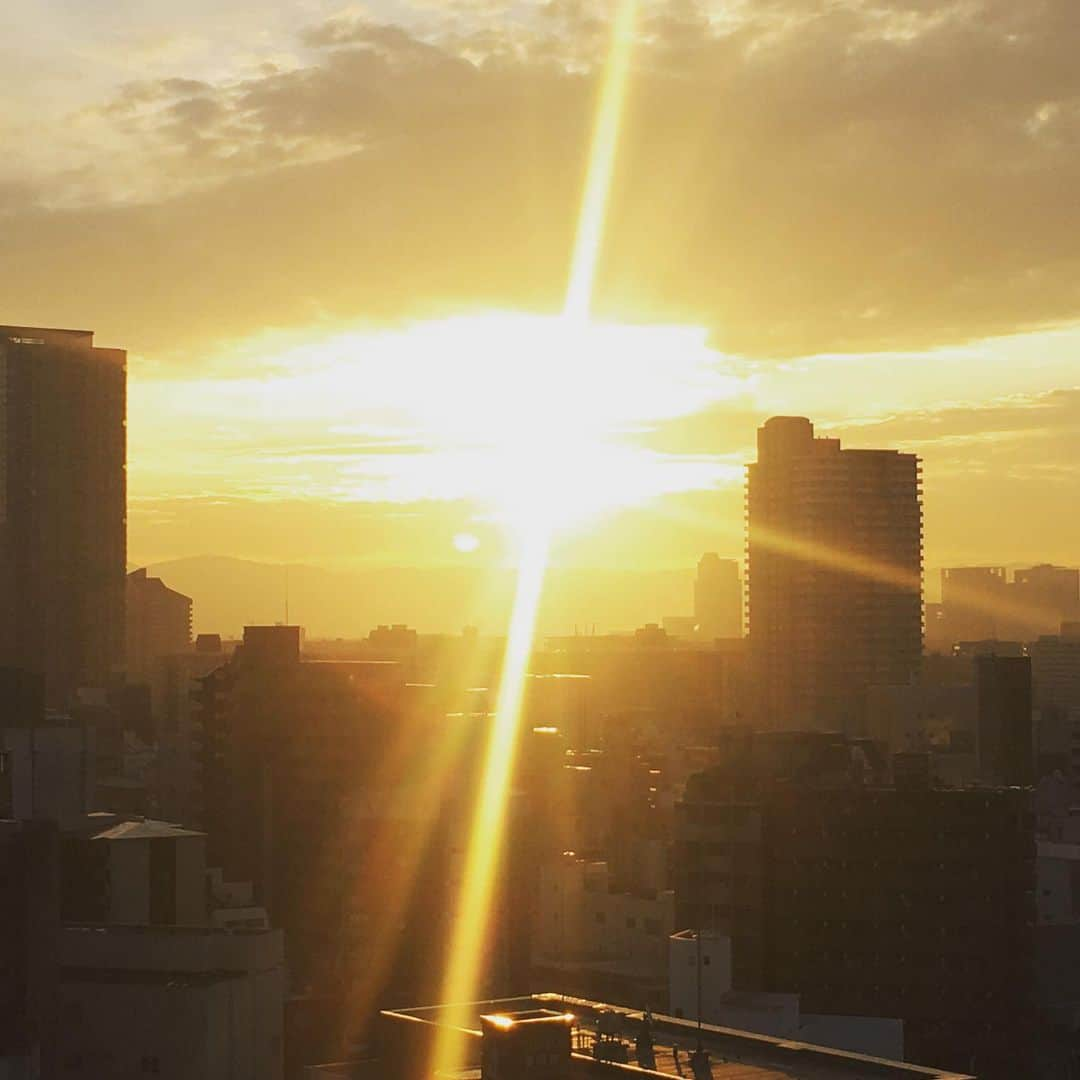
(797,176)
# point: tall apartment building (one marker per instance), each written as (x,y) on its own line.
(834,562)
(718,598)
(908,901)
(158,625)
(62,507)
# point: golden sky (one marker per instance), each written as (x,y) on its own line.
(336,242)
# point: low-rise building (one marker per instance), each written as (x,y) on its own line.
(700,984)
(589,936)
(171,1002)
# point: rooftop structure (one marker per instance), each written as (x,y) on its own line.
(623,1042)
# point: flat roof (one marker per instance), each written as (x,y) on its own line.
(30,331)
(735,1055)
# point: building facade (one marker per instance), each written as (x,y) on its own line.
(63,499)
(834,564)
(718,606)
(915,903)
(158,623)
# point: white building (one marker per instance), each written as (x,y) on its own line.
(589,936)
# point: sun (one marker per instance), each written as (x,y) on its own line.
(535,420)
(466,543)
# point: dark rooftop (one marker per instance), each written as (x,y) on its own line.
(734,1055)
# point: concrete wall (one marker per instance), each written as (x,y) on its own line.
(227,1029)
(683,969)
(873,1035)
(169,1003)
(1058,883)
(52,772)
(129,880)
(578,919)
(190,880)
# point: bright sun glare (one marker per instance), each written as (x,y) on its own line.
(532,418)
(561,416)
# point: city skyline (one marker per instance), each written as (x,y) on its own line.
(561,556)
(252,156)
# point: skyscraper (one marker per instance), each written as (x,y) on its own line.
(718,598)
(63,499)
(834,574)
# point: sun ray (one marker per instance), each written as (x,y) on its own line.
(860,565)
(485,841)
(489,817)
(594,205)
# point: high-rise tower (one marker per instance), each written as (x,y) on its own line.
(63,497)
(834,573)
(717,598)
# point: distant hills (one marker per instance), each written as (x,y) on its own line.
(230,593)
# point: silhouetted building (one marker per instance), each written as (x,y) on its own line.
(171,1001)
(681,690)
(700,981)
(286,744)
(158,625)
(178,779)
(133,871)
(718,598)
(973,602)
(1055,671)
(29,924)
(47,760)
(1004,739)
(349,815)
(834,574)
(1045,596)
(915,902)
(62,507)
(979,603)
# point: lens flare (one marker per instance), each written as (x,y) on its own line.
(466,543)
(597,196)
(489,817)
